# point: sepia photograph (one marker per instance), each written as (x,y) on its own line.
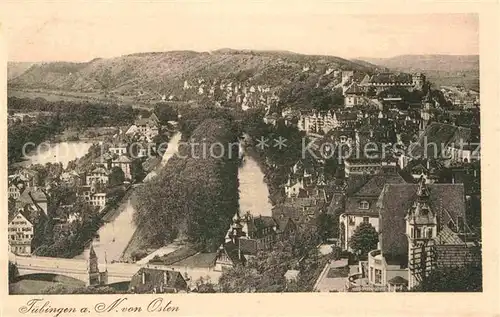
(161,149)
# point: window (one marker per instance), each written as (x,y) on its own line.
(429,232)
(364,205)
(412,233)
(351,220)
(418,233)
(366,219)
(378,276)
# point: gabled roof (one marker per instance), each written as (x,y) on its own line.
(25,197)
(122,159)
(447,201)
(29,217)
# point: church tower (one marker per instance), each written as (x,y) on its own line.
(93,267)
(421,229)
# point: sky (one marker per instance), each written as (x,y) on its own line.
(77,31)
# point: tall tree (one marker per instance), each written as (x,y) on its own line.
(364,239)
(116,176)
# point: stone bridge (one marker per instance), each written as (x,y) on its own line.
(75,268)
(117,272)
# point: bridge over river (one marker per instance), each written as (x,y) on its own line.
(117,272)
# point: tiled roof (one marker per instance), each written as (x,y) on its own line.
(446,200)
(447,236)
(155,278)
(262,222)
(232,252)
(436,136)
(376,184)
(370,192)
(355,182)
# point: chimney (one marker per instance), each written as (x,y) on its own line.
(143,277)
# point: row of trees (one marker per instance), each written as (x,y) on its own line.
(194,197)
(36,131)
(73,114)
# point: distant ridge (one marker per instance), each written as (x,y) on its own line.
(428,62)
(447,70)
(165,72)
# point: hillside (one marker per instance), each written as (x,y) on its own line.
(242,76)
(15,69)
(449,70)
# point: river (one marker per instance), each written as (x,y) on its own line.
(115,235)
(254,194)
(62,152)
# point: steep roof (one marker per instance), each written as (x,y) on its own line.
(370,192)
(447,236)
(446,200)
(23,213)
(376,184)
(436,136)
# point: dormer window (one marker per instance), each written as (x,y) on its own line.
(364,205)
